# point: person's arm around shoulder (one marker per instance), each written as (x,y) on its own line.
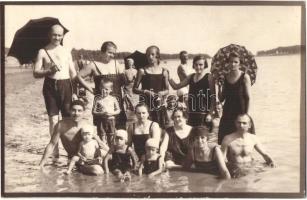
(262,152)
(247,84)
(83,73)
(159,170)
(53,141)
(182,84)
(225,145)
(38,71)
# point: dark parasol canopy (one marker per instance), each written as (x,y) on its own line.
(32,37)
(140,59)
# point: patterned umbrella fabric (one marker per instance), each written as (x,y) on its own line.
(32,37)
(220,66)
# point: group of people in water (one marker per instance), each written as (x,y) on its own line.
(204,127)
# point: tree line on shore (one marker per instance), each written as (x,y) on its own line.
(96,55)
(296,49)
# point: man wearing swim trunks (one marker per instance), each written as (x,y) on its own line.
(238,147)
(54,63)
(69,131)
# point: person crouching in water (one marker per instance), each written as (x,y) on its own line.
(89,152)
(121,158)
(205,156)
(106,107)
(151,162)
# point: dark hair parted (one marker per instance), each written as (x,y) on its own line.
(200,57)
(234,55)
(107,44)
(141,105)
(77,102)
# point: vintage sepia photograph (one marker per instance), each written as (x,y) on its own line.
(153,99)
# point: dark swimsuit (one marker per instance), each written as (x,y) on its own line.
(151,165)
(121,161)
(118,82)
(140,140)
(198,100)
(235,104)
(177,148)
(156,83)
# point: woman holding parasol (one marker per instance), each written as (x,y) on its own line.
(240,69)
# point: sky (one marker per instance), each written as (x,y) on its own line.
(196,29)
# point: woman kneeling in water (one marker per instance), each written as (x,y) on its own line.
(206,156)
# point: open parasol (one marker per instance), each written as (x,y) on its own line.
(32,37)
(220,66)
(140,59)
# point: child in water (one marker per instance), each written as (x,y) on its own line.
(121,158)
(89,152)
(151,162)
(106,107)
(206,156)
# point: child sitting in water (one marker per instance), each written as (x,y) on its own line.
(205,156)
(106,107)
(121,158)
(89,152)
(151,162)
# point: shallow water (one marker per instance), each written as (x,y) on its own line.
(275,109)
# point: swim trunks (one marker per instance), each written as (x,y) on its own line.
(58,96)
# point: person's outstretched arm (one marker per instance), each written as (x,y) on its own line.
(49,149)
(83,73)
(134,157)
(38,71)
(106,162)
(182,84)
(261,151)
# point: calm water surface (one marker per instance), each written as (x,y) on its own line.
(275,109)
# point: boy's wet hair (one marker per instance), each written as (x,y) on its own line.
(107,44)
(200,57)
(77,102)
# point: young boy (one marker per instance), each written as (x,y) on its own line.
(88,152)
(151,162)
(171,104)
(121,158)
(205,156)
(106,107)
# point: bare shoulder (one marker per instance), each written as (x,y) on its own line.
(165,71)
(229,138)
(246,78)
(141,71)
(155,125)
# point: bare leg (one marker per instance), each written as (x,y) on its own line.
(221,163)
(72,164)
(52,122)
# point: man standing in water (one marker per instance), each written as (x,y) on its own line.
(183,71)
(69,131)
(54,62)
(238,147)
